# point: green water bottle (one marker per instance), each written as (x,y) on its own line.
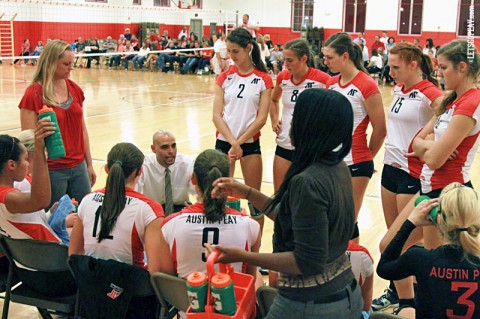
(54,142)
(433,214)
(197,291)
(223,294)
(233,202)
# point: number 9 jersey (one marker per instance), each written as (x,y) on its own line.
(187,232)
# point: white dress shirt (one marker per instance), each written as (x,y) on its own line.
(152,182)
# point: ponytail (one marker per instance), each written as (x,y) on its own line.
(426,66)
(209,166)
(124,159)
(341,43)
(243,38)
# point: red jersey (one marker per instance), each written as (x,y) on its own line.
(357,91)
(70,122)
(456,170)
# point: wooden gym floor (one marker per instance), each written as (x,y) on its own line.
(130,106)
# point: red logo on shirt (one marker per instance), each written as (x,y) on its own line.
(116,291)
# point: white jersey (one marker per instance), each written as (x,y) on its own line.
(362,262)
(458,169)
(242,99)
(290,91)
(126,242)
(357,91)
(24,226)
(409,112)
(187,231)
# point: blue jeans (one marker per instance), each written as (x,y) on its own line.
(190,64)
(138,61)
(72,181)
(348,308)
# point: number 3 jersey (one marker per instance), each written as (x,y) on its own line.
(187,231)
(126,241)
(357,91)
(242,99)
(290,92)
(409,112)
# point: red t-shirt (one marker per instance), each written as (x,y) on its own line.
(70,122)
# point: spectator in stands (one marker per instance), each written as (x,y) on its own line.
(247,24)
(192,59)
(25,51)
(166,57)
(154,38)
(365,55)
(141,57)
(192,37)
(121,48)
(79,49)
(152,57)
(128,55)
(165,35)
(36,52)
(220,59)
(384,38)
(204,61)
(264,51)
(377,44)
(135,43)
(183,33)
(376,63)
(94,47)
(276,58)
(390,43)
(268,41)
(109,45)
(417,43)
(360,37)
(429,46)
(127,35)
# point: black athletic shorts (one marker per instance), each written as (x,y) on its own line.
(364,169)
(247,148)
(436,193)
(398,181)
(284,153)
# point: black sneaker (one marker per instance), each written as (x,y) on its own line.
(388,299)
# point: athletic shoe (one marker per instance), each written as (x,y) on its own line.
(397,310)
(388,299)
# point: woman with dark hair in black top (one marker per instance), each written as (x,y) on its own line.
(313,212)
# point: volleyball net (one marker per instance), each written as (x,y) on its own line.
(38,20)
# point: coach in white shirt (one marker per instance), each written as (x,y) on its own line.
(152,180)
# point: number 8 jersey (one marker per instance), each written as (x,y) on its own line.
(242,99)
(187,231)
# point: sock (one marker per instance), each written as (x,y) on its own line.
(406,302)
(392,287)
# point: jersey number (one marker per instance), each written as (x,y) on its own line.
(294,96)
(398,104)
(463,299)
(241,87)
(97,220)
(206,236)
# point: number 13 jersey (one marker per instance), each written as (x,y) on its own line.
(242,99)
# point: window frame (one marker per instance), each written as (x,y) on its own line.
(303,3)
(410,25)
(158,3)
(356,4)
(459,14)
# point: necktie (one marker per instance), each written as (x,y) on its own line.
(168,193)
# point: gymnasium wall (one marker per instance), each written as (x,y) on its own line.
(68,19)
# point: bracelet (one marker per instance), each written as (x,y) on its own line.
(248,193)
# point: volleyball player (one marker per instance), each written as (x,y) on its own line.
(298,76)
(345,57)
(413,105)
(240,108)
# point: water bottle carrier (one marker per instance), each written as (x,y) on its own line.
(244,287)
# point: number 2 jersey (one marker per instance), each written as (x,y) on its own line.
(187,231)
(456,170)
(242,99)
(290,92)
(128,235)
(357,91)
(409,112)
